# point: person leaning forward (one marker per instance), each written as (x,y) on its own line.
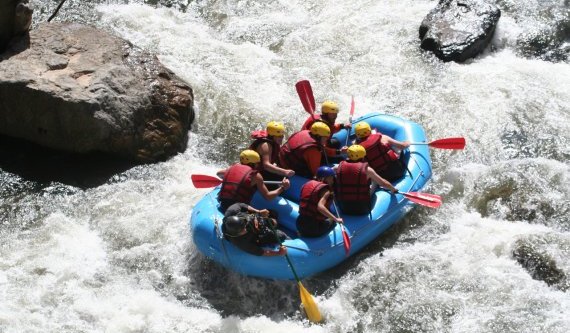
(329,113)
(248,229)
(315,218)
(379,153)
(303,152)
(267,144)
(352,182)
(241,180)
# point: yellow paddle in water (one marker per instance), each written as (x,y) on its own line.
(311,308)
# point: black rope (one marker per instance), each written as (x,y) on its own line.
(56,10)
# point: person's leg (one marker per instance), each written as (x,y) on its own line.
(310,228)
(356,208)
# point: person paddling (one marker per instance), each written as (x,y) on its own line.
(303,152)
(329,113)
(267,144)
(315,218)
(241,180)
(353,179)
(379,153)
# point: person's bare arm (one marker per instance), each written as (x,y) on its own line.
(265,150)
(270,195)
(379,180)
(221,173)
(323,209)
(395,143)
(281,252)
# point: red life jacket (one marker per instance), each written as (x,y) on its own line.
(310,121)
(352,182)
(260,137)
(237,183)
(378,155)
(311,193)
(291,155)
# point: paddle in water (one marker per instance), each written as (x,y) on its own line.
(309,304)
(446,143)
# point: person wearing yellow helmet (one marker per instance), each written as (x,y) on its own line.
(241,180)
(353,179)
(303,151)
(329,113)
(380,154)
(267,144)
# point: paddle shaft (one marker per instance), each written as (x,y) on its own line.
(350,120)
(311,308)
(205,181)
(345,237)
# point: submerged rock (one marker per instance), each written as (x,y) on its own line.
(539,264)
(459,29)
(79,89)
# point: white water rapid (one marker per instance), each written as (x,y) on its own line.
(119,258)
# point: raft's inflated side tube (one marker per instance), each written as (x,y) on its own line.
(313,255)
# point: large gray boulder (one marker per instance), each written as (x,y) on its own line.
(79,89)
(456,30)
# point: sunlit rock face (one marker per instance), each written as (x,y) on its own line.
(79,89)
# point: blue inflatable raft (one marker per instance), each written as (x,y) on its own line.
(310,256)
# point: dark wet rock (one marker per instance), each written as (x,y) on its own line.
(15,20)
(550,42)
(456,30)
(79,89)
(539,264)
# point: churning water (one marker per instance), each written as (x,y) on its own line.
(118,257)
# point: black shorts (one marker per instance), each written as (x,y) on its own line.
(309,227)
(354,207)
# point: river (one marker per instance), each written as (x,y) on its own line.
(117,256)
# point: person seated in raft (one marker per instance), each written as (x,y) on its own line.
(329,112)
(267,144)
(303,151)
(241,180)
(249,230)
(379,153)
(315,218)
(352,182)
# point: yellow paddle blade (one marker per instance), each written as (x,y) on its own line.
(310,306)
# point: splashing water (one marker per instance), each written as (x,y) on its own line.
(118,257)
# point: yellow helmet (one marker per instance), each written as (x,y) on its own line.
(320,129)
(356,152)
(275,129)
(249,156)
(329,107)
(362,130)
